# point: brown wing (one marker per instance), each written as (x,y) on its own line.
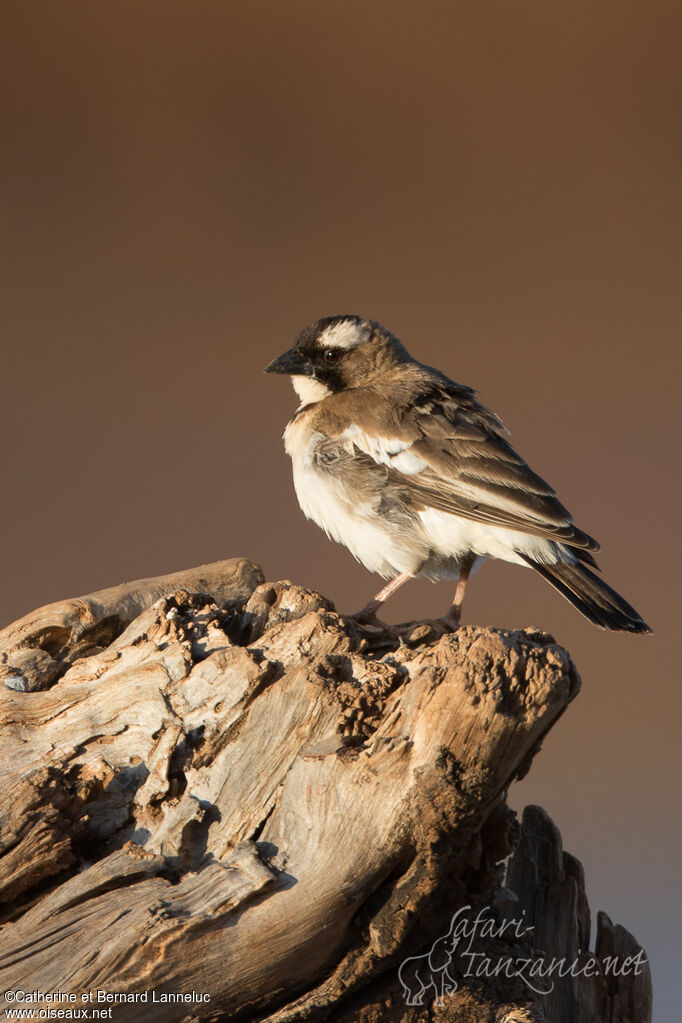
(472,470)
(447,451)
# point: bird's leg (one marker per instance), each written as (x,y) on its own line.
(455,612)
(369,611)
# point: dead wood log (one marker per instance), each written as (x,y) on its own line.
(219,799)
(613,985)
(37,649)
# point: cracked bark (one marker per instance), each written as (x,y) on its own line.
(214,784)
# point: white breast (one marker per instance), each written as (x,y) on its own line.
(330,502)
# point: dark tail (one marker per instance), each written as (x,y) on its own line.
(590,595)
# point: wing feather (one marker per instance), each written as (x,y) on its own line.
(447,451)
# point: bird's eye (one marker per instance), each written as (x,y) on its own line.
(333,355)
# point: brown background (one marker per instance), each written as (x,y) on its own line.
(187,185)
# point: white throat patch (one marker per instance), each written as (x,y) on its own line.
(345,334)
(309,390)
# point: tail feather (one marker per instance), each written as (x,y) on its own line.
(594,598)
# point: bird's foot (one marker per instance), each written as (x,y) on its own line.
(372,633)
(368,614)
(364,618)
(451,620)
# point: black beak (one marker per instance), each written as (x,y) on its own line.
(292,362)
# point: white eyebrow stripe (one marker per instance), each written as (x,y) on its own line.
(345,334)
(384,450)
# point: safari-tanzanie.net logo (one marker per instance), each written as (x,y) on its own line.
(458,955)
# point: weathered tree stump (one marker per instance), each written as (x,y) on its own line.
(220,799)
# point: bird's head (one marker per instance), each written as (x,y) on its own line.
(337,353)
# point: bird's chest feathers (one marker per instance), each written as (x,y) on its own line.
(321,495)
(345,503)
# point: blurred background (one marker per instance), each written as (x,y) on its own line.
(186,186)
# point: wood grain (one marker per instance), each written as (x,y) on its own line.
(220,785)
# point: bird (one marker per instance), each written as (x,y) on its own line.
(410,472)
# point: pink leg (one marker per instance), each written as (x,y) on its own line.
(369,611)
(454,614)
